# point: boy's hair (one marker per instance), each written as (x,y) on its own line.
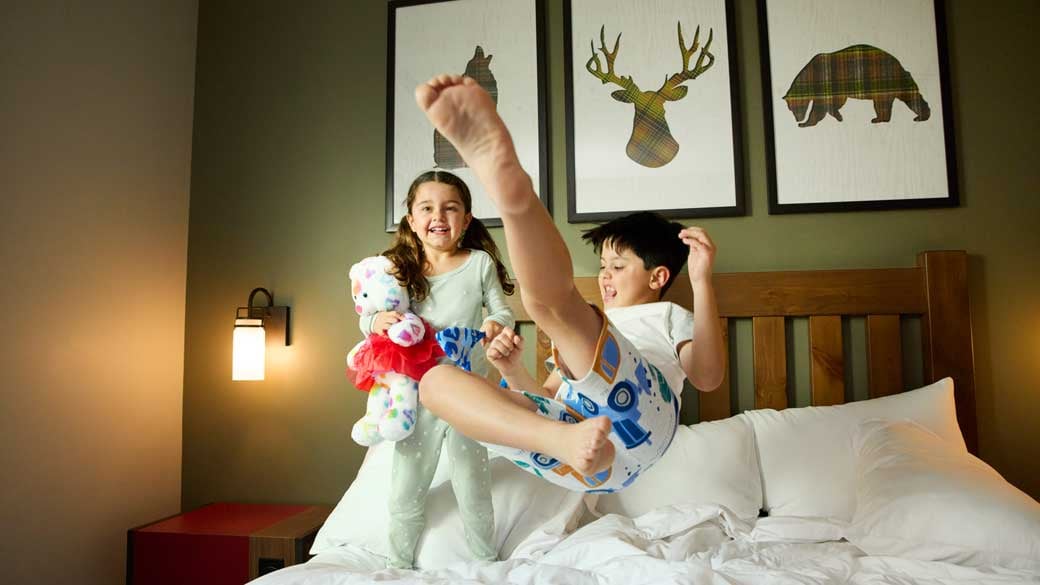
(650,236)
(407,254)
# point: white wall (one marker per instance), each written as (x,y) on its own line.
(95,153)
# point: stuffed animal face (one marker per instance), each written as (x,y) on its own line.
(374,290)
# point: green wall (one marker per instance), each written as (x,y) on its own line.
(288,187)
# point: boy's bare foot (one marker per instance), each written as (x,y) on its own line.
(465,114)
(585,445)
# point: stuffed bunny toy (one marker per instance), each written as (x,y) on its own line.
(388,367)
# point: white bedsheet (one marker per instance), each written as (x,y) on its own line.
(689,544)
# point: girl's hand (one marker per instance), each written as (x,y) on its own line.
(491,330)
(505,351)
(384,320)
(702,254)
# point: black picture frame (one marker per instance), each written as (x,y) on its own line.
(576,193)
(537,100)
(782,202)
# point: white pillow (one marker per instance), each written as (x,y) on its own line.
(529,511)
(922,498)
(806,456)
(711,462)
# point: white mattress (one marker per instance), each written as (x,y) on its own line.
(691,544)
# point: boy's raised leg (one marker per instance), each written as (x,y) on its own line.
(482,412)
(465,114)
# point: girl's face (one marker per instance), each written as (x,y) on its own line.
(438,216)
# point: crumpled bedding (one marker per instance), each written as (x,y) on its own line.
(686,544)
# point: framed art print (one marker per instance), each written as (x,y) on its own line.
(857,105)
(652,109)
(500,43)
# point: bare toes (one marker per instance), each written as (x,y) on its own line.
(446,80)
(425,95)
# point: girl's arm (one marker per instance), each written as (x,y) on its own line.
(379,322)
(366,323)
(702,359)
(494,297)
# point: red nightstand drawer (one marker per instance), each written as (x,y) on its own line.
(221,544)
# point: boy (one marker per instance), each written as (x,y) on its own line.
(616,412)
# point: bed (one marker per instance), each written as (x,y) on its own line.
(884,490)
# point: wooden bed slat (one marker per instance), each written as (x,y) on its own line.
(588,287)
(770,355)
(828,361)
(791,293)
(715,405)
(812,292)
(542,352)
(946,333)
(884,355)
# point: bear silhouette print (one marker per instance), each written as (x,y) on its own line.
(858,72)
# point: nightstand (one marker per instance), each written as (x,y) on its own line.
(221,544)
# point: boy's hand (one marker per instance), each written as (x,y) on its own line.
(702,254)
(505,351)
(491,330)
(384,320)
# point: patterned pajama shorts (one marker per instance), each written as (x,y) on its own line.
(622,385)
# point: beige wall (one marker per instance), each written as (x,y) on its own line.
(288,186)
(95,154)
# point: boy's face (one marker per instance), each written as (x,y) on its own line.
(624,280)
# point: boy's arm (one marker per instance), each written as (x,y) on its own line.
(522,380)
(535,389)
(703,358)
(505,353)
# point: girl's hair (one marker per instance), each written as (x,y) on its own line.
(407,254)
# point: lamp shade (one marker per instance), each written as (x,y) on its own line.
(249,344)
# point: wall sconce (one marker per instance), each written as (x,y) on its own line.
(253,326)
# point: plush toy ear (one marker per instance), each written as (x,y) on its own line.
(368,265)
(358,269)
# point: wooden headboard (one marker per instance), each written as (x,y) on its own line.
(936,290)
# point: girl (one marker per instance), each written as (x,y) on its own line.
(452,269)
